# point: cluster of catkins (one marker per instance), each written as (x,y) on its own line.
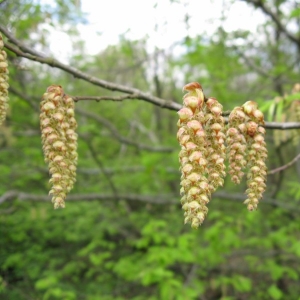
(3,82)
(247,149)
(201,136)
(59,141)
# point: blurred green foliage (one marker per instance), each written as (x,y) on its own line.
(116,248)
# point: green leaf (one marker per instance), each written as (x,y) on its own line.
(271,110)
(242,284)
(97,259)
(275,292)
(296,248)
(45,283)
(295,13)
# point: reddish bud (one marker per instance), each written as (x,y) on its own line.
(192,86)
(251,128)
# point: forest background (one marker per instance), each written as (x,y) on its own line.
(121,235)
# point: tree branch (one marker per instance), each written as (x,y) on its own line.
(133,93)
(11,195)
(260,4)
(282,126)
(26,52)
(153,199)
(265,200)
(96,98)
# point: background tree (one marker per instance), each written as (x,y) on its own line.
(121,235)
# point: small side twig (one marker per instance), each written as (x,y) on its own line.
(101,166)
(115,133)
(289,164)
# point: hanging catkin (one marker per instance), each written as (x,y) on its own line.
(201,136)
(247,149)
(3,82)
(59,141)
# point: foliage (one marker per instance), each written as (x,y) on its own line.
(121,235)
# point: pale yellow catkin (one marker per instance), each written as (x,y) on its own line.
(59,141)
(201,136)
(3,82)
(247,148)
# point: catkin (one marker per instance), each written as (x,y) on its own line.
(236,144)
(295,114)
(216,154)
(247,148)
(59,141)
(201,136)
(3,82)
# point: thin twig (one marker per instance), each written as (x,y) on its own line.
(115,133)
(251,64)
(101,166)
(281,27)
(24,97)
(191,274)
(280,169)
